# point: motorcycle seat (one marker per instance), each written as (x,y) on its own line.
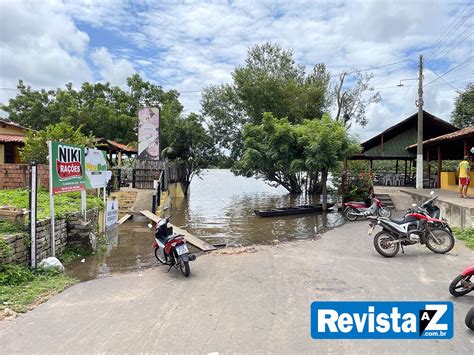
(398,221)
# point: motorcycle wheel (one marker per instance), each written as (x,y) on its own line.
(384,212)
(470,319)
(456,287)
(158,256)
(184,267)
(380,244)
(348,213)
(446,241)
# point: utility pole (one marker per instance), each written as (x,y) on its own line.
(419,147)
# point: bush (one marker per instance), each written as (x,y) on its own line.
(466,235)
(12,275)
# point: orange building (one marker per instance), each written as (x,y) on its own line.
(12,138)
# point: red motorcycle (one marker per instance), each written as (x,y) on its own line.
(354,210)
(462,285)
(415,227)
(170,248)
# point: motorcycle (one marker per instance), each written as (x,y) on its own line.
(417,226)
(171,249)
(462,285)
(354,210)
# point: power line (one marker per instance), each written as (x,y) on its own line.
(454,45)
(451,70)
(451,28)
(372,68)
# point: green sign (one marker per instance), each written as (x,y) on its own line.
(67,165)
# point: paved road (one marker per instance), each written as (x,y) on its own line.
(249,302)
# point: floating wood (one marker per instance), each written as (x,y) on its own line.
(198,243)
(124,218)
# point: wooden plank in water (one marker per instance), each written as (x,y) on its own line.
(124,218)
(198,243)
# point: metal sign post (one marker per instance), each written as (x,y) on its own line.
(32,216)
(51,199)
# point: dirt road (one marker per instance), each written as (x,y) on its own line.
(257,301)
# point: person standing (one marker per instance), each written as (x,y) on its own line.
(464,173)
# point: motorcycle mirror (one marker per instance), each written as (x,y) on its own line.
(432,193)
(413,205)
(150,226)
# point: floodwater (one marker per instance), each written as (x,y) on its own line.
(219,209)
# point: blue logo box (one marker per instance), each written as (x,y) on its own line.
(382,320)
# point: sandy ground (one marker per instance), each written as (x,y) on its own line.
(252,301)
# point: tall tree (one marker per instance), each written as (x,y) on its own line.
(463,113)
(101,109)
(270,81)
(352,98)
(190,147)
(326,143)
(36,145)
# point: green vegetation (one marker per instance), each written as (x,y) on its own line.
(36,147)
(7,227)
(293,155)
(466,235)
(64,203)
(463,113)
(21,288)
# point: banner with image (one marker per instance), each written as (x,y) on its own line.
(149,133)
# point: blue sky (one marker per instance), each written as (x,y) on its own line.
(188,45)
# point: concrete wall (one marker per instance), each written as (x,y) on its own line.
(69,231)
(14,176)
(456,215)
(449,182)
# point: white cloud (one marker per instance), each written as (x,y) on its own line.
(190,45)
(41,45)
(114,71)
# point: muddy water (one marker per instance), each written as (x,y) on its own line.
(129,248)
(219,210)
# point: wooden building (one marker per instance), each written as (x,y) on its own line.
(392,143)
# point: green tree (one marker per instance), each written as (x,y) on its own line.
(270,81)
(326,143)
(463,113)
(271,151)
(101,109)
(36,146)
(190,147)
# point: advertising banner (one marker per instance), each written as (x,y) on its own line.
(67,168)
(149,133)
(112,213)
(96,168)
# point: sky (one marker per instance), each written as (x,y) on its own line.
(189,45)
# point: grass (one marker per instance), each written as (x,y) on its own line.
(64,203)
(22,289)
(7,227)
(466,235)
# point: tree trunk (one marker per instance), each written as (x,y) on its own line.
(324,178)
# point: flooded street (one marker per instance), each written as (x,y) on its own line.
(218,210)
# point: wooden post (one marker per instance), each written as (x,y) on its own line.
(396,167)
(466,149)
(440,166)
(429,166)
(371,163)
